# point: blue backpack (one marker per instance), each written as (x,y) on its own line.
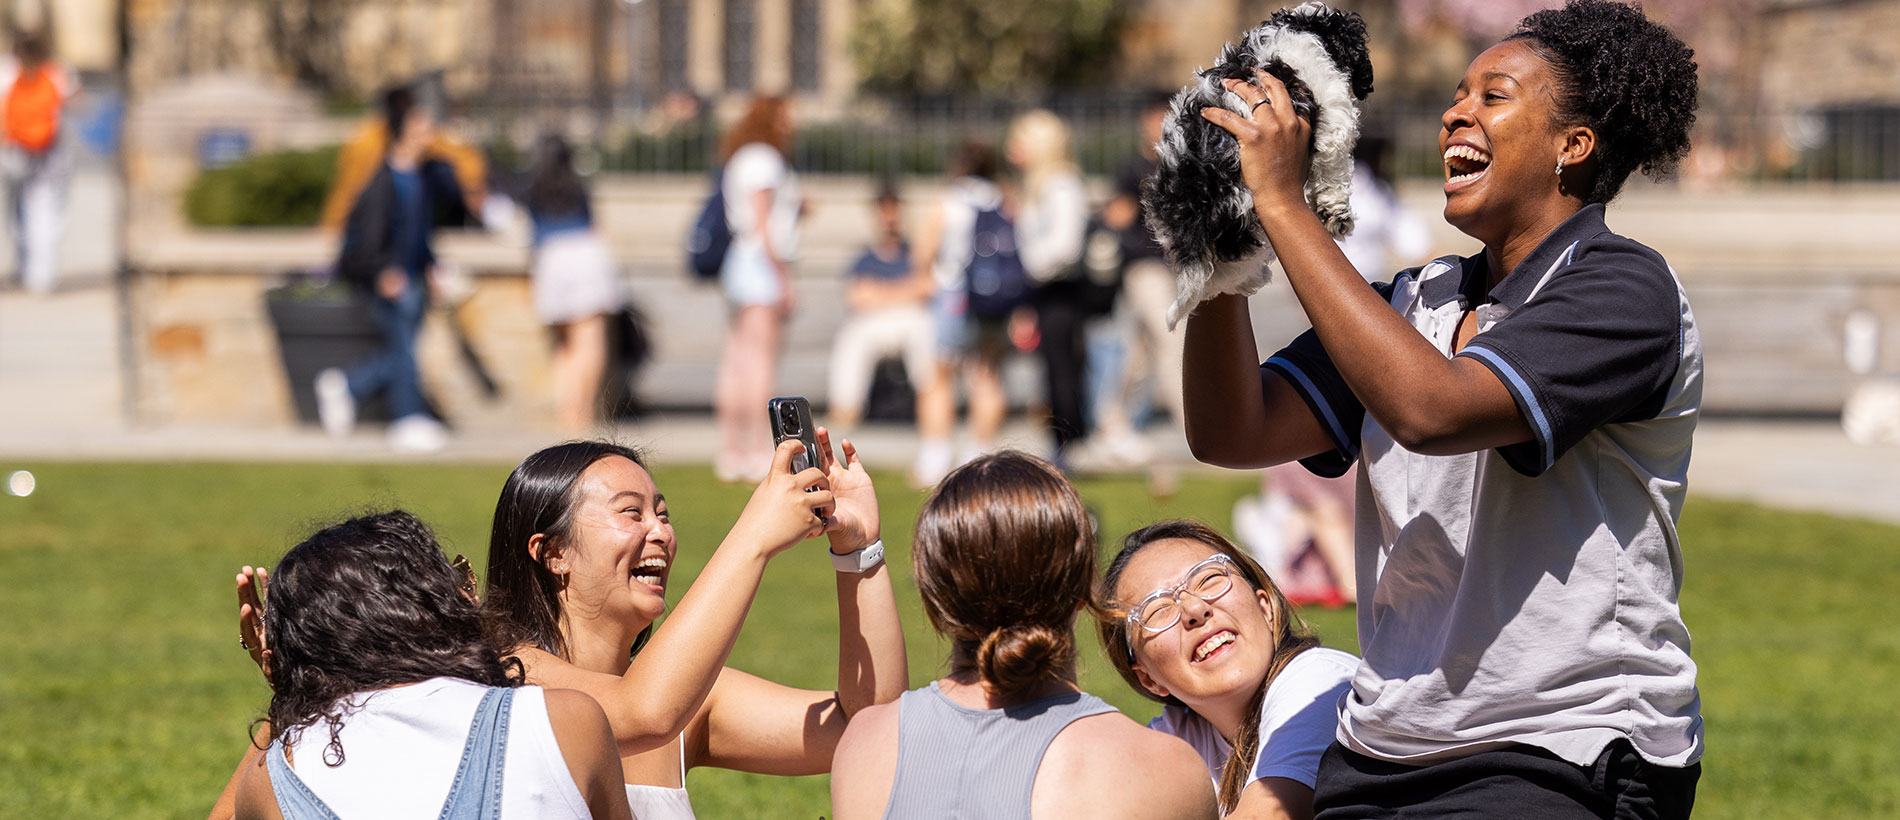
(994,277)
(711,237)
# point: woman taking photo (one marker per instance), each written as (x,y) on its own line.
(386,696)
(579,558)
(1004,552)
(1522,422)
(1191,621)
(580,554)
(763,206)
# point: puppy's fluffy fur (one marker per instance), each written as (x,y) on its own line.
(1196,203)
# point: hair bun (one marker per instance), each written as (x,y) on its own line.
(1015,659)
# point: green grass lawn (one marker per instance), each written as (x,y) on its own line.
(123,691)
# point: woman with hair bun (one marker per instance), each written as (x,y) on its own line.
(1522,420)
(1193,622)
(1004,554)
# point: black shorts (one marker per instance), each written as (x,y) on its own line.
(1517,782)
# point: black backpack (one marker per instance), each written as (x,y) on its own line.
(712,236)
(994,277)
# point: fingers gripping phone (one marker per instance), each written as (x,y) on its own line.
(791,419)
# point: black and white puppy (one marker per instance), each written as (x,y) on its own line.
(1196,203)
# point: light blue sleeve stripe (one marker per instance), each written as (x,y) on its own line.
(1325,410)
(1540,424)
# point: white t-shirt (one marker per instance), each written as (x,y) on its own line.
(1050,229)
(759,167)
(1298,719)
(401,748)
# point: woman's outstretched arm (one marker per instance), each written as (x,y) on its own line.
(669,680)
(872,668)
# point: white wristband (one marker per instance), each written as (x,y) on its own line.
(862,561)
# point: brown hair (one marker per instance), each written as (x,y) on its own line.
(1291,635)
(1004,551)
(760,124)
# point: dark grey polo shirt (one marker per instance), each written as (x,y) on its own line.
(1527,594)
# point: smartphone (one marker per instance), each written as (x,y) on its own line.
(791,419)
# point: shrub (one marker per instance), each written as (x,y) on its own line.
(284,189)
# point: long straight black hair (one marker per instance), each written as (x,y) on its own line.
(522,605)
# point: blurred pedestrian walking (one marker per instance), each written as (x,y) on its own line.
(967,237)
(386,253)
(35,162)
(890,315)
(1051,220)
(359,159)
(1148,286)
(763,206)
(576,286)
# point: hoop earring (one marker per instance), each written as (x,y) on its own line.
(1560,166)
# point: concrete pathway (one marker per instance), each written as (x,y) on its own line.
(61,400)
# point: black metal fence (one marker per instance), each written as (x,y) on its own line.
(919,136)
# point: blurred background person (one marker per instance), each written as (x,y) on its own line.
(763,206)
(576,286)
(975,345)
(34,162)
(358,159)
(1051,221)
(387,253)
(1153,354)
(1386,235)
(890,315)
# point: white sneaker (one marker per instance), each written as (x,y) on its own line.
(336,409)
(417,433)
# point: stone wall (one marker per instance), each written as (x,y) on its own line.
(1772,276)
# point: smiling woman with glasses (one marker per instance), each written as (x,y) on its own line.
(1193,622)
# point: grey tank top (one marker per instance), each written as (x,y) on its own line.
(954,762)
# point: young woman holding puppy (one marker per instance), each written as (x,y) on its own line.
(1003,555)
(1192,621)
(1522,420)
(579,557)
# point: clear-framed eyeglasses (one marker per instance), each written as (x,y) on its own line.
(1207,580)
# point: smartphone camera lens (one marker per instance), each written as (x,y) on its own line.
(788,419)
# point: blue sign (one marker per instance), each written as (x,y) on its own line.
(218,147)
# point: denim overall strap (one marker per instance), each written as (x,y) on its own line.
(294,799)
(476,793)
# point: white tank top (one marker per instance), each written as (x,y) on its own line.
(401,748)
(660,802)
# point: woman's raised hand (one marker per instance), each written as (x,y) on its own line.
(784,508)
(856,508)
(1273,141)
(253,584)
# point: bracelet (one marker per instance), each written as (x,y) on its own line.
(862,561)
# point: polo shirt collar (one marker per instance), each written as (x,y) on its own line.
(1522,280)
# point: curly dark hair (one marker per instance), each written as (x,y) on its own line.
(363,605)
(1630,80)
(522,605)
